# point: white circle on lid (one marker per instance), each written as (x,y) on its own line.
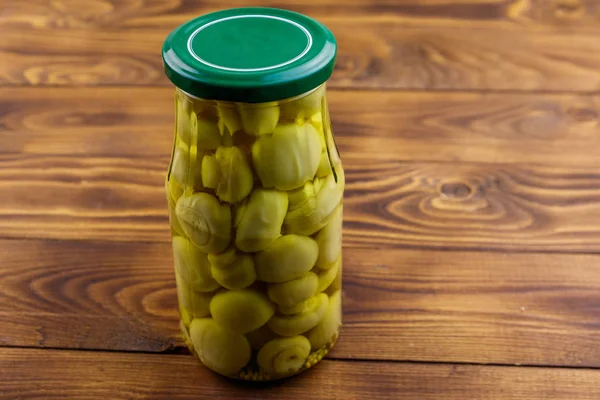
(299,56)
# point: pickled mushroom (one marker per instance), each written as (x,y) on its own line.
(258,220)
(221,350)
(195,303)
(326,276)
(229,173)
(304,107)
(186,317)
(232,269)
(289,257)
(259,337)
(323,333)
(259,120)
(336,284)
(192,265)
(290,293)
(305,196)
(295,309)
(324,165)
(329,240)
(180,165)
(209,136)
(210,171)
(241,311)
(312,206)
(324,168)
(197,170)
(186,120)
(205,221)
(227,138)
(228,118)
(317,121)
(295,324)
(174,192)
(283,356)
(287,158)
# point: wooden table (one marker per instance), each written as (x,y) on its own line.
(470,132)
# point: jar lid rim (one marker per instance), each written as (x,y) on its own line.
(249,54)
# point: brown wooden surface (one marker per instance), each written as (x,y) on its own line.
(121,376)
(556,129)
(389,203)
(470,133)
(515,45)
(373,55)
(472,307)
(98,13)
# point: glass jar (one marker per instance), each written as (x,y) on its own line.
(255,189)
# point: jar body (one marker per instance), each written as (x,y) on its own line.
(255,194)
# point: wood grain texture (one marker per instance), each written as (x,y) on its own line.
(84,375)
(78,294)
(473,307)
(474,206)
(84,198)
(399,126)
(567,14)
(472,217)
(373,54)
(387,203)
(104,155)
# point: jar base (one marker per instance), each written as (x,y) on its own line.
(252,372)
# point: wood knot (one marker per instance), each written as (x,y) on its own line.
(583,114)
(541,122)
(458,190)
(568,8)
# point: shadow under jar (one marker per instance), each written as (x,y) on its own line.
(255,191)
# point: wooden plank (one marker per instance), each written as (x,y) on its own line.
(143,13)
(112,296)
(473,307)
(84,198)
(416,126)
(84,375)
(373,54)
(387,203)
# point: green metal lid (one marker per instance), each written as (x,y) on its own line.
(249,55)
